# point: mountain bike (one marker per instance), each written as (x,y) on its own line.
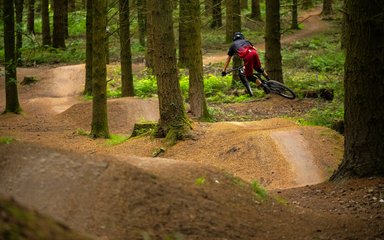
(272,85)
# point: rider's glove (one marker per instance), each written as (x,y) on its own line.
(223,73)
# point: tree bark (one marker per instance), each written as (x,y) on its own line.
(327,8)
(216,14)
(58,40)
(233,18)
(71,5)
(11,92)
(127,88)
(173,123)
(150,49)
(46,29)
(141,18)
(255,10)
(99,73)
(273,60)
(364,91)
(307,4)
(31,17)
(19,4)
(295,24)
(243,4)
(66,23)
(88,49)
(208,5)
(194,61)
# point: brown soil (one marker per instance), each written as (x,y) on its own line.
(198,189)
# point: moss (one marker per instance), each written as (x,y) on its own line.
(17,222)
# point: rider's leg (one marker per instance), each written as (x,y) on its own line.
(250,61)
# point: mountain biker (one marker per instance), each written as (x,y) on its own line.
(247,52)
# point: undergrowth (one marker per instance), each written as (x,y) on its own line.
(308,64)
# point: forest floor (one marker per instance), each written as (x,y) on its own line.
(201,188)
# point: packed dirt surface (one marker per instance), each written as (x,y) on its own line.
(205,187)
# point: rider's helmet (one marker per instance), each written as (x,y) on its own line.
(237,35)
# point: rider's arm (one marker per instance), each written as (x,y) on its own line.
(227,63)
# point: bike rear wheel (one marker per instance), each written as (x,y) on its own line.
(281,89)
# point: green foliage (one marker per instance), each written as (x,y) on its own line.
(146,87)
(82,132)
(328,62)
(200,181)
(321,53)
(33,53)
(7,140)
(116,139)
(327,116)
(259,190)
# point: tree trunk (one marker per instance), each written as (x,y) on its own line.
(31,17)
(307,4)
(216,14)
(295,24)
(99,75)
(243,4)
(46,29)
(327,8)
(88,49)
(233,19)
(364,88)
(19,4)
(173,123)
(208,5)
(141,18)
(150,49)
(255,10)
(192,27)
(184,28)
(233,24)
(273,62)
(71,5)
(11,93)
(58,24)
(66,32)
(125,51)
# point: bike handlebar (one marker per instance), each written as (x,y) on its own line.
(234,69)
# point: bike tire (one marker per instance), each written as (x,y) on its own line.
(281,89)
(247,86)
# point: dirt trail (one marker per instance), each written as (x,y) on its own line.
(295,149)
(121,192)
(264,154)
(312,25)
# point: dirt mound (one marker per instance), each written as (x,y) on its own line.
(114,200)
(123,113)
(18,222)
(108,197)
(251,151)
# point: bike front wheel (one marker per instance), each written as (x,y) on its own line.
(247,86)
(281,89)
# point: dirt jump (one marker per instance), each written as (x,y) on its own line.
(201,188)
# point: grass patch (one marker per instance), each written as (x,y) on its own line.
(116,139)
(82,132)
(327,116)
(7,140)
(200,181)
(259,190)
